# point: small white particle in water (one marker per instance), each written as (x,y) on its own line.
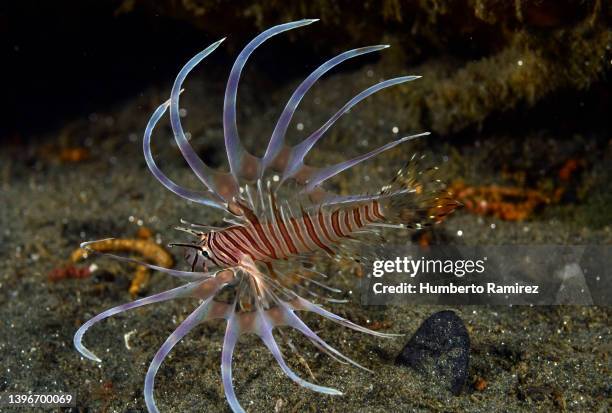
(597,278)
(92,268)
(188,135)
(395,129)
(133,137)
(370,73)
(317,101)
(131,218)
(275,178)
(459,233)
(139,222)
(126,339)
(182,112)
(520,63)
(300,126)
(493,226)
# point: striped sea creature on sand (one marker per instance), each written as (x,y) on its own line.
(255,271)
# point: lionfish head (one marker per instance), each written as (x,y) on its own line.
(198,256)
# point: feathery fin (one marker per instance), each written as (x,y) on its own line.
(300,151)
(325,173)
(278,135)
(243,164)
(204,198)
(219,183)
(183,329)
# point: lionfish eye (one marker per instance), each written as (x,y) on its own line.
(205,253)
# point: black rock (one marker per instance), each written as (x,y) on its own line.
(440,348)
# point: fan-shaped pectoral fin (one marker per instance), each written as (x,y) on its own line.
(299,152)
(277,139)
(324,174)
(266,321)
(196,317)
(268,339)
(303,304)
(232,333)
(242,164)
(317,195)
(204,198)
(294,321)
(215,181)
(182,291)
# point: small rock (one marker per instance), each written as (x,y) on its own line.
(441,348)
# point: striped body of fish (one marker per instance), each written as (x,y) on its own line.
(284,236)
(280,219)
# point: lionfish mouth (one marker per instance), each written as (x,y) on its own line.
(265,232)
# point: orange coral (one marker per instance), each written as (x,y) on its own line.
(480,384)
(508,203)
(73,155)
(569,167)
(69,271)
(424,239)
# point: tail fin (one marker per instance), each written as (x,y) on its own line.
(417,198)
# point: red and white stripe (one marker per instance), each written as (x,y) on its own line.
(283,237)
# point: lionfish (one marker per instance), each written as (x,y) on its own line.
(254,271)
